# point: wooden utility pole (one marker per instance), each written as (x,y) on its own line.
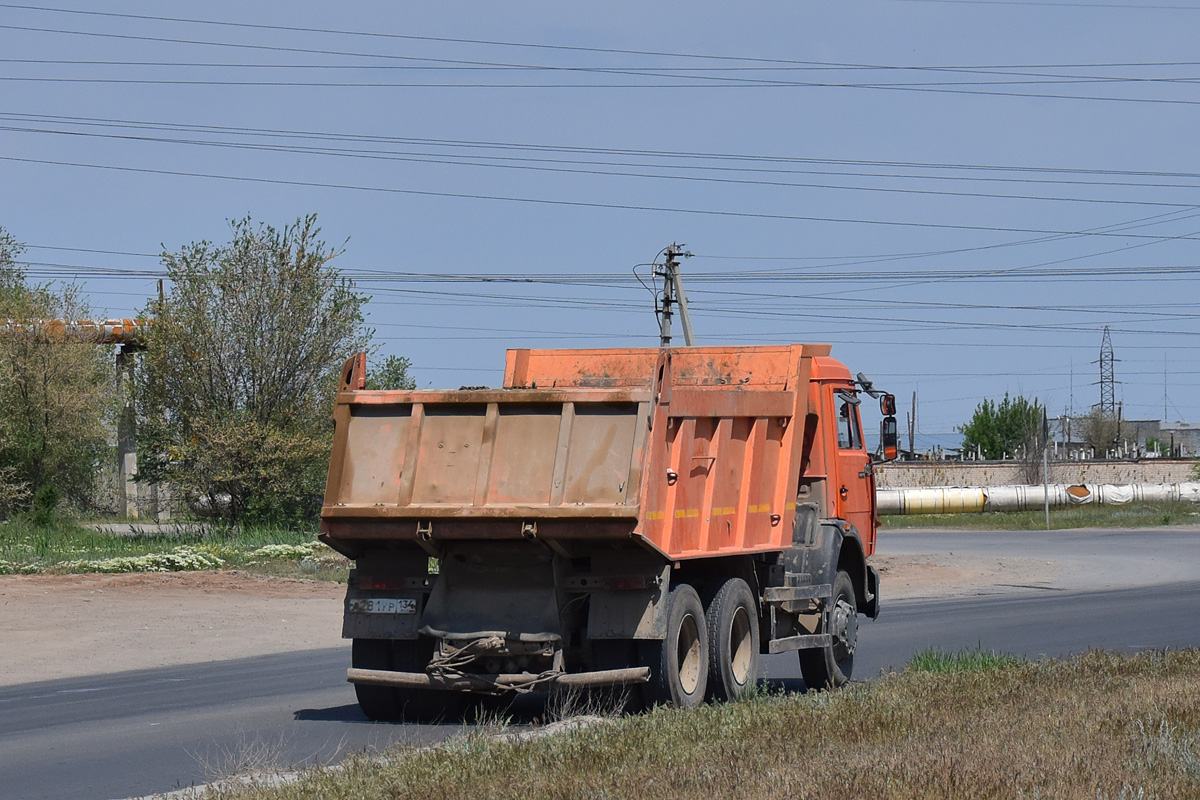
(912,427)
(1046,464)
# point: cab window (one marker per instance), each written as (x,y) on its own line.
(849,433)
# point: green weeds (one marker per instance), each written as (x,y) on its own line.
(65,547)
(944,663)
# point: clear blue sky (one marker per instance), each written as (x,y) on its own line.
(958,195)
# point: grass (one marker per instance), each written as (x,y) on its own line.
(1133,515)
(1096,727)
(943,663)
(65,547)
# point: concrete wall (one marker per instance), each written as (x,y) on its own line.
(900,475)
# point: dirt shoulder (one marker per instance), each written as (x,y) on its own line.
(66,626)
(907,577)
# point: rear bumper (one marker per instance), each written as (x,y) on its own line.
(521,681)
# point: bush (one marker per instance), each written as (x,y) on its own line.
(44,509)
(57,395)
(236,387)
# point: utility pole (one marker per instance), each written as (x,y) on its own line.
(912,426)
(1164,388)
(1046,464)
(673,294)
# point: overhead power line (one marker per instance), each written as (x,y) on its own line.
(587,204)
(384,35)
(582,150)
(710,81)
(474,161)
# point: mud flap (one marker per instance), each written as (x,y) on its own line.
(494,590)
(870,605)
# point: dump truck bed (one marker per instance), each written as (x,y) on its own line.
(692,452)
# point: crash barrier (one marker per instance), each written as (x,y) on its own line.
(967,499)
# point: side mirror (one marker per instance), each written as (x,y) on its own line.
(889,438)
(887,405)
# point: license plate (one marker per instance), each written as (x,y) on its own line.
(384,605)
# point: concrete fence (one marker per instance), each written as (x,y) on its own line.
(935,474)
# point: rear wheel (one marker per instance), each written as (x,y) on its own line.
(377,702)
(831,666)
(732,640)
(387,703)
(679,663)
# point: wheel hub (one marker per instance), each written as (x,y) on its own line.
(844,628)
(741,648)
(689,655)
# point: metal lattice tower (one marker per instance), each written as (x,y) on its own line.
(1108,398)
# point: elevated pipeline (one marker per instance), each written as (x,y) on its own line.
(967,499)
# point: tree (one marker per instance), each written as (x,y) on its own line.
(1011,428)
(236,387)
(391,374)
(57,395)
(1100,430)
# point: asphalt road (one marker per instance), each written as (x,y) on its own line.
(134,733)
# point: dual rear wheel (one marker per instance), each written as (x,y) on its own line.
(707,653)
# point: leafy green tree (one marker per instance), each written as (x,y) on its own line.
(58,396)
(236,387)
(1010,428)
(1100,430)
(391,374)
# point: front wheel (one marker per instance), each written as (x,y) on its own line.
(679,663)
(831,666)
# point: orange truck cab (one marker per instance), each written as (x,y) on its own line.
(647,519)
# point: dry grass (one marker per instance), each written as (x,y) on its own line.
(1098,726)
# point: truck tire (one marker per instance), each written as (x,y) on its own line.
(377,702)
(830,667)
(423,705)
(732,641)
(679,663)
(390,704)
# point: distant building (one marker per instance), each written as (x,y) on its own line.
(1140,438)
(1181,439)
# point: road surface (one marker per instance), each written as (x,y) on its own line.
(133,733)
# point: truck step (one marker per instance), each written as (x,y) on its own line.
(805,642)
(782,594)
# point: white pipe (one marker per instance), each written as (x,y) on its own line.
(957,500)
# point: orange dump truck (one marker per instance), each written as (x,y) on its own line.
(652,518)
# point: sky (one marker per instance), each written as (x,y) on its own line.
(959,195)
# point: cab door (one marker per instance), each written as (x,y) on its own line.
(855,484)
